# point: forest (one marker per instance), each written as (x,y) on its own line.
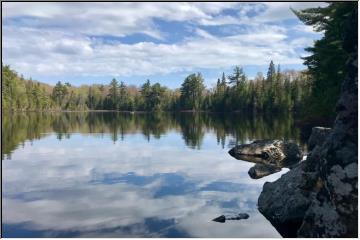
(309,93)
(279,91)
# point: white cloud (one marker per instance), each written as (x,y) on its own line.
(278,11)
(56,53)
(304,29)
(55,38)
(117,19)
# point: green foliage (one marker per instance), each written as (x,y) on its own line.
(327,59)
(113,95)
(237,77)
(192,92)
(21,94)
(278,93)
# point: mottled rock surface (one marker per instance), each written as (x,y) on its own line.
(286,213)
(273,152)
(319,198)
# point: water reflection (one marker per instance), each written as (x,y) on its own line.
(17,128)
(131,175)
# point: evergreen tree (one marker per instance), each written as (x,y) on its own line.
(58,94)
(237,77)
(191,92)
(124,100)
(113,94)
(271,73)
(326,62)
(145,93)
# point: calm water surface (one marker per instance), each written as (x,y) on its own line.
(132,175)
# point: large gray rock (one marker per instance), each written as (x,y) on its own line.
(320,198)
(286,213)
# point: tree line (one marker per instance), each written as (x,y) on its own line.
(278,91)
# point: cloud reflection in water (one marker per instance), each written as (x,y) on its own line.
(89,186)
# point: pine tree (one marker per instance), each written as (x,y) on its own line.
(145,93)
(113,94)
(326,62)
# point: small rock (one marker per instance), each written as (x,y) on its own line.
(220,219)
(223,218)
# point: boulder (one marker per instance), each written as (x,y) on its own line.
(273,152)
(285,213)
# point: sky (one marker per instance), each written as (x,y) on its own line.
(93,42)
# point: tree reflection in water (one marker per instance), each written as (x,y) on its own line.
(238,128)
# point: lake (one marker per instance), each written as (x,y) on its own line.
(106,174)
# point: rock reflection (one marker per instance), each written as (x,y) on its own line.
(262,170)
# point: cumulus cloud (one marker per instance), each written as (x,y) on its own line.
(117,19)
(70,54)
(62,38)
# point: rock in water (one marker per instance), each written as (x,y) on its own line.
(268,152)
(223,218)
(220,219)
(238,217)
(319,198)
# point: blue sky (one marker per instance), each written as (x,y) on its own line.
(84,43)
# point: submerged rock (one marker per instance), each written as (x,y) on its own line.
(223,218)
